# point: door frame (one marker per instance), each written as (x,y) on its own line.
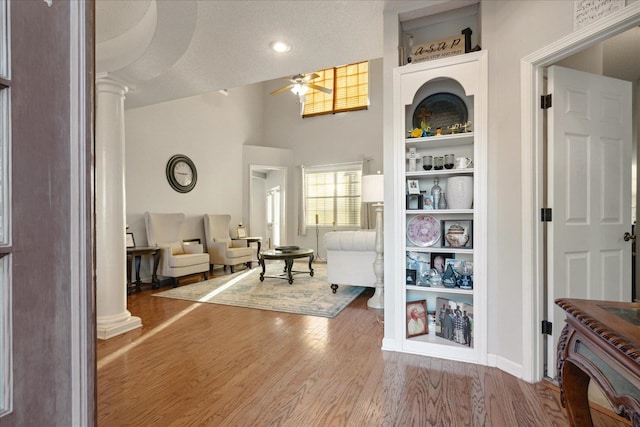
(532,161)
(283,194)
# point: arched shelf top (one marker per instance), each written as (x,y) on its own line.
(415,76)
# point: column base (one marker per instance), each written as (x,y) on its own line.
(106,331)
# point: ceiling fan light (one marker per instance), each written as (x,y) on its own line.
(280,46)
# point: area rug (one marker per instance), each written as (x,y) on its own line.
(307,295)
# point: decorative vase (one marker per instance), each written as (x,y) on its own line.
(460,192)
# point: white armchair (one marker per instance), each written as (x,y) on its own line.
(176,259)
(222,250)
(350,257)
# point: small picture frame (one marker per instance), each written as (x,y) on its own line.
(457,233)
(131,243)
(417,318)
(242,233)
(427,202)
(413,186)
(439,261)
(412,276)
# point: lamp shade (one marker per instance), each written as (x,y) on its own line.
(373,188)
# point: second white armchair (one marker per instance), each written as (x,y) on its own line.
(222,250)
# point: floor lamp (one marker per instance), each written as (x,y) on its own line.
(373,192)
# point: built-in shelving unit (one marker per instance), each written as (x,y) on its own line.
(463,78)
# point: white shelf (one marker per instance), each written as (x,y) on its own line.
(439,173)
(453,140)
(442,290)
(444,250)
(465,76)
(438,211)
(431,337)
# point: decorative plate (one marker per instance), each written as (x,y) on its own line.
(440,110)
(423,230)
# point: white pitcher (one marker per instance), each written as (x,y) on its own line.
(460,192)
(463,163)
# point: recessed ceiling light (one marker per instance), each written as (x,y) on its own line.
(280,46)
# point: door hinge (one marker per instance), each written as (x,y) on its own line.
(547,327)
(545,214)
(545,101)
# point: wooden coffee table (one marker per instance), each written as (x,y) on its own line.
(287,256)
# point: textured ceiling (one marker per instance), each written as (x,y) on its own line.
(167,49)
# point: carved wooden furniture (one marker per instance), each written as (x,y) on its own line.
(136,253)
(600,342)
(287,256)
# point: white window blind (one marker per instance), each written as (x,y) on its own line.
(333,195)
(350,90)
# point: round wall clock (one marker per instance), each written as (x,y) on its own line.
(181,173)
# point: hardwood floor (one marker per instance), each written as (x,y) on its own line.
(195,364)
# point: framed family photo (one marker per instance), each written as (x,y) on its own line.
(417,318)
(131,243)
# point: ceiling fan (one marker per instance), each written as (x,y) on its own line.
(300,85)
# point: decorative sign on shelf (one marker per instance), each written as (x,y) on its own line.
(442,48)
(438,49)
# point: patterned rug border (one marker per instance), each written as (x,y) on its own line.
(307,295)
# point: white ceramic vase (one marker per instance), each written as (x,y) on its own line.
(460,192)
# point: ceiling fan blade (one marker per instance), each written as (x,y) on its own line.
(311,76)
(320,88)
(282,89)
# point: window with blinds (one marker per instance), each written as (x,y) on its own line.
(332,196)
(350,90)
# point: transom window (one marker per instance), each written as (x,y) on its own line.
(350,90)
(332,195)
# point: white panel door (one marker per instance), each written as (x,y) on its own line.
(589,190)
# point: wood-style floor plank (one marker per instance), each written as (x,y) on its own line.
(198,364)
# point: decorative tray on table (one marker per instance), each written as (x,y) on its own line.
(287,248)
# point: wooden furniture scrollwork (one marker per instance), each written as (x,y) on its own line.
(600,342)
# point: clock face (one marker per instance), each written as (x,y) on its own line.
(181,173)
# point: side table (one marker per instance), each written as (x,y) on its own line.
(136,253)
(600,341)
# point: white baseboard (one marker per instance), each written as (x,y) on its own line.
(506,365)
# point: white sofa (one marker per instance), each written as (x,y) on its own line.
(350,257)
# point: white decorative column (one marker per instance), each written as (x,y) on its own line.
(113,318)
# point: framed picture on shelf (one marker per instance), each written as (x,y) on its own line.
(242,232)
(131,243)
(417,318)
(439,261)
(454,321)
(457,233)
(412,277)
(413,186)
(427,201)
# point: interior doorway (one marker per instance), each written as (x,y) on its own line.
(534,174)
(267,204)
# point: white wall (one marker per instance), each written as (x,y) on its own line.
(211,129)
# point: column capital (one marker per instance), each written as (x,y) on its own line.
(108,82)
